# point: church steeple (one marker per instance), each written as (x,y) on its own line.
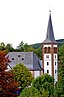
(50,34)
(50,52)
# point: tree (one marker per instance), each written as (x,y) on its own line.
(9,47)
(25,47)
(30,92)
(21,46)
(22,75)
(38,52)
(59,89)
(45,85)
(61,51)
(2,46)
(28,48)
(8,85)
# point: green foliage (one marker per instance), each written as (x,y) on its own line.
(44,84)
(6,47)
(25,47)
(2,46)
(61,51)
(38,52)
(23,75)
(9,47)
(21,46)
(28,48)
(59,89)
(30,92)
(36,46)
(60,42)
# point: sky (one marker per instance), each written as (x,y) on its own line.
(27,20)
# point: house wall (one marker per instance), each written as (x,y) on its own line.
(36,74)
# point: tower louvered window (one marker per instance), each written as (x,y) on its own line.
(45,50)
(49,49)
(55,49)
(47,56)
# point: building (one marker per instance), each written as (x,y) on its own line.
(33,63)
(29,59)
(50,52)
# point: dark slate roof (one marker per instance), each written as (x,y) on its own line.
(29,59)
(50,34)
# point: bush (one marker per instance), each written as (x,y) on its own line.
(30,92)
(23,75)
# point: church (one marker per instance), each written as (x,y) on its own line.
(50,52)
(49,62)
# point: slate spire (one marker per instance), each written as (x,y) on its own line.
(50,34)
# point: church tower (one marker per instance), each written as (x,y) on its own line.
(50,52)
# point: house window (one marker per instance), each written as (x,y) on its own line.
(22,58)
(47,71)
(55,56)
(47,63)
(18,55)
(55,71)
(47,56)
(55,63)
(12,58)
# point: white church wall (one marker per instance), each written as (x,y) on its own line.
(36,74)
(45,57)
(54,45)
(47,45)
(55,67)
(55,56)
(47,67)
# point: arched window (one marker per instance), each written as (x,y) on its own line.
(47,71)
(49,50)
(55,56)
(55,71)
(55,49)
(47,63)
(55,63)
(45,50)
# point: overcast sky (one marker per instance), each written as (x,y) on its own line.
(27,20)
